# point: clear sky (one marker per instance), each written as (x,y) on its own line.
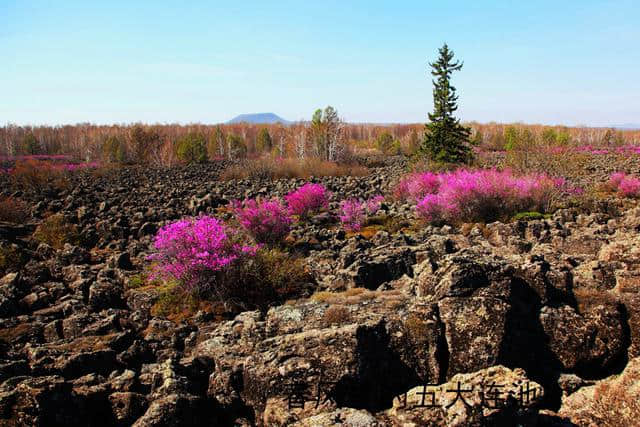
(558,62)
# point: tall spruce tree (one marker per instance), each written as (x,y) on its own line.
(445,139)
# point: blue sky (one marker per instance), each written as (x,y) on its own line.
(556,62)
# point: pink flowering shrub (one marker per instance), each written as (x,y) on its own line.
(417,185)
(486,195)
(266,220)
(193,251)
(307,199)
(354,212)
(624,184)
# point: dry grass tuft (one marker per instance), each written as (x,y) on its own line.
(336,315)
(270,168)
(55,231)
(14,210)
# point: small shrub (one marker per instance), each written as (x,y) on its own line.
(11,259)
(487,195)
(266,220)
(270,277)
(209,262)
(354,212)
(307,199)
(336,315)
(528,216)
(175,303)
(555,161)
(136,281)
(192,148)
(624,185)
(14,210)
(416,185)
(385,142)
(195,251)
(55,231)
(33,174)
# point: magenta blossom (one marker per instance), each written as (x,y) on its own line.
(307,199)
(466,195)
(192,250)
(625,185)
(267,220)
(354,212)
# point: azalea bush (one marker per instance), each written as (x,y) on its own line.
(308,199)
(196,251)
(268,221)
(625,185)
(202,259)
(354,212)
(41,172)
(415,186)
(483,195)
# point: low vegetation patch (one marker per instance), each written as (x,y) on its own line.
(12,258)
(211,261)
(308,199)
(14,210)
(354,212)
(480,195)
(56,231)
(276,168)
(624,185)
(529,216)
(268,221)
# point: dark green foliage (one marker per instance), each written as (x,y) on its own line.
(30,144)
(236,147)
(384,142)
(529,216)
(263,141)
(445,139)
(192,148)
(519,138)
(113,150)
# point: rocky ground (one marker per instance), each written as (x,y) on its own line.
(509,323)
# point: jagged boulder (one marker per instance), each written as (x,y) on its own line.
(495,396)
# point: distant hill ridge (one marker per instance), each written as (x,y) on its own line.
(259,118)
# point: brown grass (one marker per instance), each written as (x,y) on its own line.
(38,175)
(55,231)
(11,259)
(270,168)
(336,315)
(14,210)
(270,277)
(177,305)
(565,164)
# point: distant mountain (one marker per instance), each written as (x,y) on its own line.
(628,126)
(259,118)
